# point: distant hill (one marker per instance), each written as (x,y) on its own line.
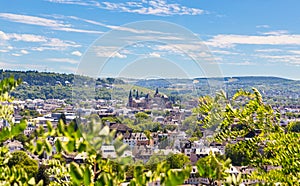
(42,78)
(46,85)
(49,85)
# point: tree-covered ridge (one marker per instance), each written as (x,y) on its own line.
(49,85)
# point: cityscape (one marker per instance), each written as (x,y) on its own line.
(158,92)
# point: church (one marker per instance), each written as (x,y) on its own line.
(159,101)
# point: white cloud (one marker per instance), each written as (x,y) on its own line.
(3,36)
(3,50)
(75,2)
(269,50)
(192,49)
(16,55)
(39,21)
(27,37)
(60,44)
(245,63)
(224,52)
(24,52)
(227,41)
(108,51)
(276,32)
(63,60)
(113,27)
(46,43)
(154,54)
(294,51)
(22,37)
(76,53)
(21,66)
(150,7)
(290,59)
(263,26)
(118,55)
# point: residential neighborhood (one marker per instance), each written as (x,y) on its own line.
(158,135)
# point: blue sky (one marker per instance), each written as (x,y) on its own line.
(249,37)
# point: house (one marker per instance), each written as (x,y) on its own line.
(29,129)
(206,150)
(108,151)
(133,139)
(120,128)
(14,145)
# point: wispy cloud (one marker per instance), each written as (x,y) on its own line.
(108,51)
(224,52)
(269,50)
(154,54)
(16,54)
(113,27)
(21,66)
(45,42)
(39,21)
(55,42)
(20,53)
(263,26)
(243,63)
(24,52)
(76,53)
(276,32)
(294,51)
(22,37)
(150,7)
(290,59)
(227,41)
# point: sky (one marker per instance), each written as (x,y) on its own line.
(162,38)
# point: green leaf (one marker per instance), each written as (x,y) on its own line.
(48,147)
(121,149)
(87,176)
(82,147)
(41,183)
(76,172)
(104,131)
(39,146)
(71,145)
(31,181)
(60,127)
(58,145)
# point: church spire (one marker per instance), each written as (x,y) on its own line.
(137,94)
(130,94)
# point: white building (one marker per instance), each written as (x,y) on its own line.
(108,151)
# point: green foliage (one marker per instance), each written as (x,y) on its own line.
(239,154)
(29,113)
(245,113)
(42,175)
(246,116)
(141,117)
(294,126)
(178,161)
(213,168)
(111,119)
(20,159)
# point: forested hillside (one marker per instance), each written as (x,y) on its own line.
(48,85)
